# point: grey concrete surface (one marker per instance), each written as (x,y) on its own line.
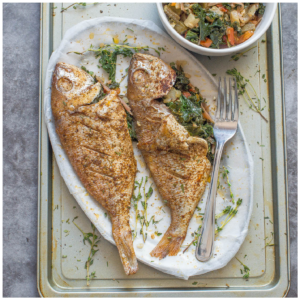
(21,25)
(290,54)
(20,142)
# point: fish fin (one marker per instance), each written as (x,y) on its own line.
(169,245)
(123,238)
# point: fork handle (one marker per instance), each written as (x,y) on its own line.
(205,242)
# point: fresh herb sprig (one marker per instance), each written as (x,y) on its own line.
(225,211)
(268,244)
(225,175)
(136,200)
(77,4)
(144,203)
(93,240)
(241,85)
(237,56)
(231,213)
(246,269)
(196,236)
(143,217)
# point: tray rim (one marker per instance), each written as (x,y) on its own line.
(48,288)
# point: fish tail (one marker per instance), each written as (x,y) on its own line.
(169,244)
(123,238)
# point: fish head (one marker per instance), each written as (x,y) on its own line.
(75,86)
(149,77)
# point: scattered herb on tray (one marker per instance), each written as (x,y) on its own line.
(77,4)
(241,85)
(237,56)
(246,269)
(93,240)
(271,239)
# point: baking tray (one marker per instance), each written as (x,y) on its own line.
(61,253)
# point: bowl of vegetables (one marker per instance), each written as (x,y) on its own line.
(216,29)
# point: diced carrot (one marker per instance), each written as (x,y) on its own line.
(186,94)
(244,37)
(206,43)
(222,8)
(192,88)
(230,35)
(173,4)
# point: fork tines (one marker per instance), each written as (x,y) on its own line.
(226,109)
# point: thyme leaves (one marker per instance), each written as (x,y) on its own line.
(246,269)
(93,240)
(241,86)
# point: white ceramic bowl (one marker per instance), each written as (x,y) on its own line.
(260,30)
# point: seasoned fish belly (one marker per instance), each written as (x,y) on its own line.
(96,139)
(177,161)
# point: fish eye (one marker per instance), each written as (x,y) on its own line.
(140,76)
(64,84)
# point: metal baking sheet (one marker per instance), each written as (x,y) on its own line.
(61,253)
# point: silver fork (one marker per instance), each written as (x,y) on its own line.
(225,127)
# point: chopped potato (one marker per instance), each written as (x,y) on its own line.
(234,17)
(172,95)
(252,9)
(247,27)
(191,21)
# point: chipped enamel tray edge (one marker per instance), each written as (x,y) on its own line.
(277,281)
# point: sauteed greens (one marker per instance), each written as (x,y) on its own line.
(189,109)
(215,25)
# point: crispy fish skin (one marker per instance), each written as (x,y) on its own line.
(97,142)
(177,161)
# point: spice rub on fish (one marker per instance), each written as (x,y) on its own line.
(95,136)
(177,161)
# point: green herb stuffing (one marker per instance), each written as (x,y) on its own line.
(131,127)
(188,111)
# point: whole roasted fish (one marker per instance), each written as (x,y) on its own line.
(177,161)
(95,136)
